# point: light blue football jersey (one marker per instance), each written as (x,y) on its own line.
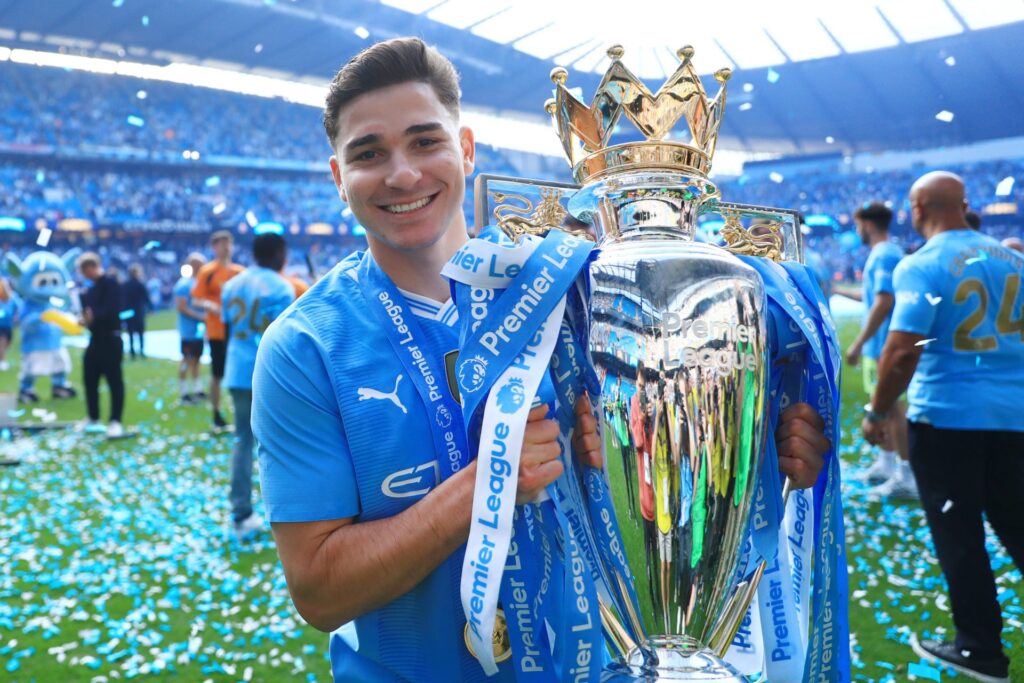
(342,433)
(250,302)
(962,291)
(188,328)
(878,279)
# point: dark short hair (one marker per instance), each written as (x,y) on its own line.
(269,250)
(878,213)
(395,61)
(973,220)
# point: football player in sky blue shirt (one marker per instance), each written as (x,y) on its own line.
(892,469)
(366,529)
(189,320)
(250,301)
(958,331)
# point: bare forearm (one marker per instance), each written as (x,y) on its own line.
(851,292)
(362,566)
(895,370)
(876,316)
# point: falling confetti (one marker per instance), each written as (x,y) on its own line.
(136,121)
(982,256)
(1005,186)
(944,116)
(145,21)
(773,76)
(925,342)
(44,237)
(933,300)
(126,315)
(947,506)
(152,244)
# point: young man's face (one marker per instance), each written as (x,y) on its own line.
(401,164)
(222,248)
(862,231)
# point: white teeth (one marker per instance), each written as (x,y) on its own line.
(405,208)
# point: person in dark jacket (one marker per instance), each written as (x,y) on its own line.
(136,303)
(101,308)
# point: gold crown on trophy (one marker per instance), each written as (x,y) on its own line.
(586,130)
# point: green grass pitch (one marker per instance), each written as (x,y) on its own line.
(114,563)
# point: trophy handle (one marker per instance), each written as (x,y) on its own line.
(769,232)
(524,207)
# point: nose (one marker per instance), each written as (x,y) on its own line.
(403,174)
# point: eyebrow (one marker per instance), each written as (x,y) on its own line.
(373,138)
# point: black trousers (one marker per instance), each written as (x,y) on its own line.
(103,358)
(977,472)
(136,326)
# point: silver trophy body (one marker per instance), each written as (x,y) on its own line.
(678,335)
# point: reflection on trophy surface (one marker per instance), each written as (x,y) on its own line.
(678,336)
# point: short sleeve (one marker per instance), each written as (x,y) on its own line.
(306,468)
(199,290)
(915,307)
(884,269)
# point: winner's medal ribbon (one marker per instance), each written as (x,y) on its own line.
(507,343)
(801,302)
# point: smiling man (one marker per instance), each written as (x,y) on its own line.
(366,486)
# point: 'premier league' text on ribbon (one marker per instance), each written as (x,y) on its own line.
(395,314)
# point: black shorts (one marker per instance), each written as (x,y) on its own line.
(5,333)
(218,354)
(192,348)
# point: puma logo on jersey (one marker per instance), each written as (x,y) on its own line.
(365,394)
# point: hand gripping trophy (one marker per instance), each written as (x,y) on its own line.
(696,341)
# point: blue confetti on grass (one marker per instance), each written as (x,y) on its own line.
(924,671)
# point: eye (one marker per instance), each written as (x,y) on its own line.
(426,142)
(366,155)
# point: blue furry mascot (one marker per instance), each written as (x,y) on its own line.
(41,281)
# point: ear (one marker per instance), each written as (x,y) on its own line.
(468,145)
(69,258)
(338,181)
(13,265)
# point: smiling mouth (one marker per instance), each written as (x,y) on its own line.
(410,206)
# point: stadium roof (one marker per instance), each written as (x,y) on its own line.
(811,76)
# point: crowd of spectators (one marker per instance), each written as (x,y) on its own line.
(56,125)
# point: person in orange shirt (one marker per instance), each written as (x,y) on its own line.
(298,283)
(209,282)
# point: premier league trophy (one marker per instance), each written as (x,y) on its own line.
(678,336)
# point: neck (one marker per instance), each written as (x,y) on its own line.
(878,238)
(224,260)
(934,228)
(419,271)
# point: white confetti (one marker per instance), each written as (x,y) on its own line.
(1005,186)
(933,300)
(925,342)
(947,506)
(44,237)
(945,116)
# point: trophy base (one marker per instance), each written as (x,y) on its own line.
(679,658)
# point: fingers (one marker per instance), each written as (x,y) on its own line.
(801,444)
(803,411)
(799,432)
(533,479)
(586,438)
(539,431)
(802,473)
(537,413)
